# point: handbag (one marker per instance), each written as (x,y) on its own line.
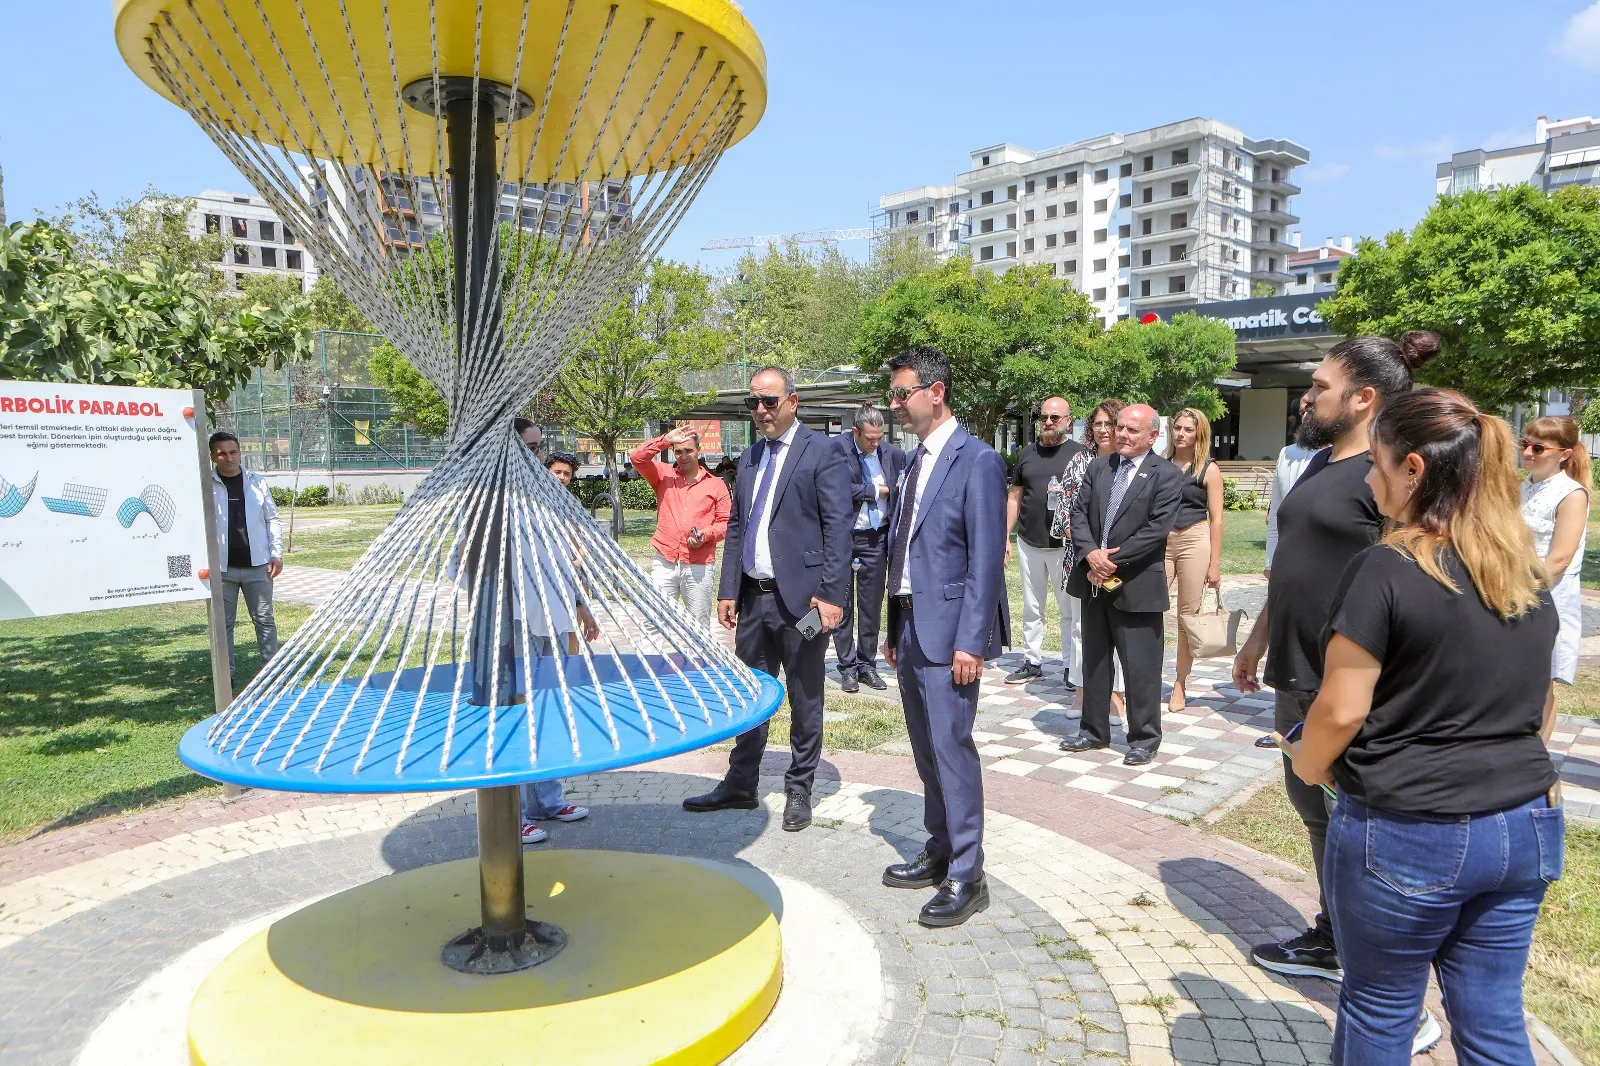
(1212,634)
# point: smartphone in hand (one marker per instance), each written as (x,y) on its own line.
(810,626)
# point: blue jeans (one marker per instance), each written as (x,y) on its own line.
(541,799)
(1459,893)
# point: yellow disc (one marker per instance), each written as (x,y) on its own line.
(666,962)
(296,73)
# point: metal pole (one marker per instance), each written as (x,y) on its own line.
(505,910)
(221,676)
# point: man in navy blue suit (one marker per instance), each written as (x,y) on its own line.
(875,468)
(787,551)
(946,616)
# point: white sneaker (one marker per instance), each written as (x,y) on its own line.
(532,834)
(571,813)
(1428,1033)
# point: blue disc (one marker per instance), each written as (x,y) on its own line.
(470,763)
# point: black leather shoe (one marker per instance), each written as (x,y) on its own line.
(797,812)
(722,798)
(1081,743)
(1138,757)
(870,676)
(849,683)
(955,902)
(924,871)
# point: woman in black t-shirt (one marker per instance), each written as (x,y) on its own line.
(1432,719)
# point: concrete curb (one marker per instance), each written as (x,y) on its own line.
(1551,1042)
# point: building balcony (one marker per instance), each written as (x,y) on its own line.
(1189,199)
(1283,187)
(1271,277)
(1184,233)
(1164,299)
(1167,173)
(1167,267)
(1281,216)
(1267,246)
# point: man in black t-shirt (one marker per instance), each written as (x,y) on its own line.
(1326,520)
(1035,496)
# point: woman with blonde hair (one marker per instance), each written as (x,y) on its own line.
(1435,706)
(1555,504)
(1194,547)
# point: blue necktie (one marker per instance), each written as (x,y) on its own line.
(752,527)
(1119,488)
(872,504)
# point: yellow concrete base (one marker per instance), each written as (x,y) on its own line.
(666,962)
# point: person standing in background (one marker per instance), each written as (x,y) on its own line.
(947,615)
(875,468)
(1433,717)
(1292,462)
(1326,520)
(1120,524)
(788,552)
(1555,504)
(1194,549)
(249,543)
(691,518)
(1038,493)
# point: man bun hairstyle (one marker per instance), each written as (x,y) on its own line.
(1384,366)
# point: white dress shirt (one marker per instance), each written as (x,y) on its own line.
(870,516)
(770,467)
(935,443)
(1292,462)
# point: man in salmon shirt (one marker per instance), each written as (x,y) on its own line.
(691,517)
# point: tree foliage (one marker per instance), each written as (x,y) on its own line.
(1509,279)
(1171,365)
(151,229)
(66,318)
(795,307)
(628,371)
(415,400)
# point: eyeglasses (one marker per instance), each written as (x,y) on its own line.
(905,392)
(1103,424)
(1053,418)
(769,402)
(536,446)
(1536,448)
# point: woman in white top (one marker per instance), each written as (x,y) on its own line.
(1555,504)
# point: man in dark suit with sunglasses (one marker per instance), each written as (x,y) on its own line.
(787,550)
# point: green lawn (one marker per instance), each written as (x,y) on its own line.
(337,548)
(92,706)
(1562,984)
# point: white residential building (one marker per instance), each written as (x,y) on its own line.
(1563,152)
(1316,269)
(1191,212)
(259,242)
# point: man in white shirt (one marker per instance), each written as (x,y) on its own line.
(875,468)
(249,543)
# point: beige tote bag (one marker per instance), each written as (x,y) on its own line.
(1212,634)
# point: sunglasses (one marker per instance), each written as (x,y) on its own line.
(905,392)
(1537,449)
(769,402)
(1053,418)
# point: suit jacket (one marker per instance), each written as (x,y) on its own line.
(957,554)
(1139,529)
(809,532)
(891,459)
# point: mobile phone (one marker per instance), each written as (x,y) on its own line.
(1112,583)
(810,626)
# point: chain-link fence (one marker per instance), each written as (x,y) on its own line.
(324,414)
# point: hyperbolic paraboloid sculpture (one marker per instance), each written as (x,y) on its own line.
(483,178)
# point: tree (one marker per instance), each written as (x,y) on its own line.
(153,228)
(1012,340)
(796,307)
(1171,365)
(327,307)
(65,319)
(1509,279)
(415,401)
(628,371)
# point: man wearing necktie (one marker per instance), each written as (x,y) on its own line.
(947,615)
(1120,521)
(875,468)
(787,551)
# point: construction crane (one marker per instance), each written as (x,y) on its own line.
(815,236)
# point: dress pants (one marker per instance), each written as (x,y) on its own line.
(695,584)
(767,640)
(1137,639)
(1041,576)
(939,717)
(257,588)
(856,639)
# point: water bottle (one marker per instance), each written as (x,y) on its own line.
(1052,497)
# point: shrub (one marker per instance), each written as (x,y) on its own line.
(281,497)
(1236,499)
(588,490)
(313,496)
(638,495)
(382,492)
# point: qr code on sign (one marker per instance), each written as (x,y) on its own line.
(179,566)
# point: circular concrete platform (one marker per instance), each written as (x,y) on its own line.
(667,962)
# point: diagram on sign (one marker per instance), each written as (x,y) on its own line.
(83,500)
(154,502)
(13,498)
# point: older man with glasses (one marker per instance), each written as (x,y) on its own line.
(1038,491)
(788,551)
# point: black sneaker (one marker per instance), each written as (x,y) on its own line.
(1307,955)
(1066,679)
(1026,672)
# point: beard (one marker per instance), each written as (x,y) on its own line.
(1050,438)
(1316,433)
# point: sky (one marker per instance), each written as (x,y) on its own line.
(869,97)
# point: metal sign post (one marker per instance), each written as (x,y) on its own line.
(221,676)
